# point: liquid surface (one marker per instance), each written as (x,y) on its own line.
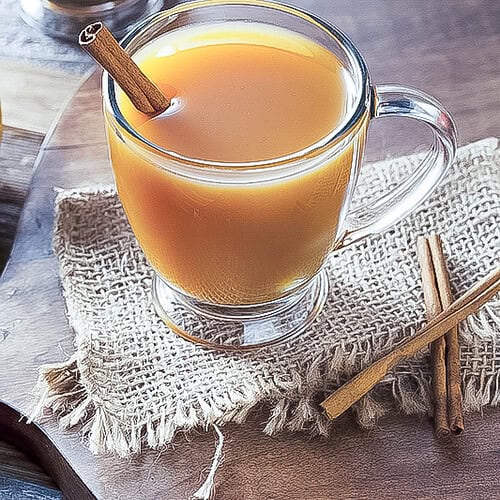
(241,92)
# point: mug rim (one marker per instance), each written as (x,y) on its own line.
(335,136)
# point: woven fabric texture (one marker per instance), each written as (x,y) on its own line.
(134,383)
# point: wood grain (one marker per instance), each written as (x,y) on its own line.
(33,440)
(14,489)
(449,49)
(18,152)
(32,97)
(15,464)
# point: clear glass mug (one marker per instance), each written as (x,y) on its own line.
(230,288)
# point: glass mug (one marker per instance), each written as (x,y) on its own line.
(237,265)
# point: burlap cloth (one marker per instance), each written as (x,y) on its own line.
(133,383)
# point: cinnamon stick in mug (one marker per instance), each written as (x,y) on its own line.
(99,42)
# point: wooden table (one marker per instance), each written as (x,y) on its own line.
(447,48)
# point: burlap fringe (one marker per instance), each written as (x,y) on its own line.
(207,488)
(60,389)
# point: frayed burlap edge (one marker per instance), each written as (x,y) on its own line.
(61,390)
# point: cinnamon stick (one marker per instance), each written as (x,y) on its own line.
(344,397)
(99,42)
(438,348)
(454,390)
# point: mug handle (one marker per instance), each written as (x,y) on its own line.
(395,100)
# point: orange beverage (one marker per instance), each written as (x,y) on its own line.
(244,95)
(240,190)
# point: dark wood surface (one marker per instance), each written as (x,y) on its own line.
(18,152)
(13,465)
(31,439)
(449,49)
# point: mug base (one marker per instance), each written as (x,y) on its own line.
(238,328)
